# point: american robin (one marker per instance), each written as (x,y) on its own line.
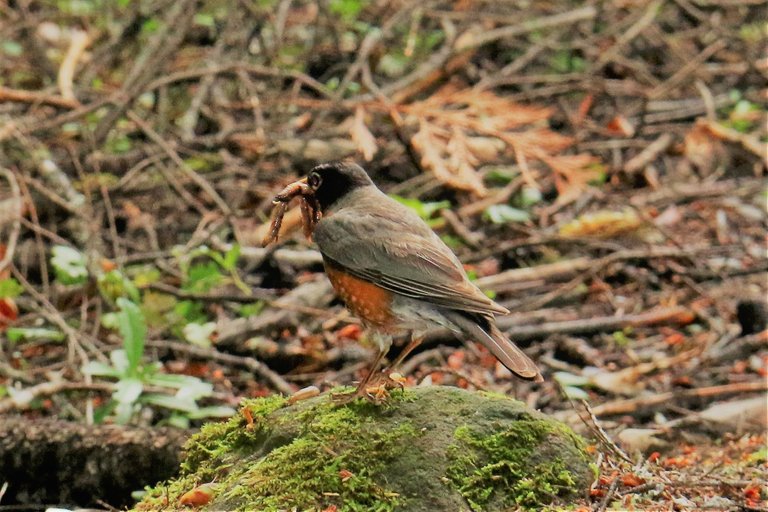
(394,273)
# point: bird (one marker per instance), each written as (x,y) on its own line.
(395,273)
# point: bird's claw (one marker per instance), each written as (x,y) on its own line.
(376,390)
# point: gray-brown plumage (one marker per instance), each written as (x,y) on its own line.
(367,235)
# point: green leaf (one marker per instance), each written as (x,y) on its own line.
(195,390)
(501,174)
(231,257)
(109,320)
(81,8)
(16,334)
(176,420)
(758,457)
(170,402)
(127,391)
(194,385)
(452,241)
(10,288)
(251,309)
(144,276)
(575,393)
(202,277)
(393,64)
(100,369)
(124,411)
(120,144)
(621,338)
(69,265)
(503,213)
(425,210)
(102,412)
(190,311)
(119,361)
(205,20)
(11,48)
(115,284)
(157,308)
(214,411)
(347,9)
(529,196)
(199,334)
(198,163)
(150,26)
(569,379)
(564,61)
(130,322)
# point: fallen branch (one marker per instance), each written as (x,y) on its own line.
(79,41)
(212,354)
(648,155)
(35,97)
(12,217)
(466,41)
(569,268)
(673,397)
(19,400)
(674,315)
(306,298)
(48,461)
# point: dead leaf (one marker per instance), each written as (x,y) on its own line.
(304,394)
(739,415)
(433,148)
(584,106)
(703,150)
(199,496)
(459,130)
(621,126)
(9,312)
(572,175)
(362,136)
(603,224)
(641,440)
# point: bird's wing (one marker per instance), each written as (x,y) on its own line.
(393,248)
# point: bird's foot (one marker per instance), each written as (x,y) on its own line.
(375,390)
(374,394)
(390,379)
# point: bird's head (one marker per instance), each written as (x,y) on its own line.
(331,181)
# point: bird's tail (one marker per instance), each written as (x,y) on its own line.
(484,330)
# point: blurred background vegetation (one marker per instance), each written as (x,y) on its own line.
(599,167)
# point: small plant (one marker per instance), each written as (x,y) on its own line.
(133,376)
(69,265)
(424,209)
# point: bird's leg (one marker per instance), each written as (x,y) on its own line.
(390,370)
(415,342)
(364,389)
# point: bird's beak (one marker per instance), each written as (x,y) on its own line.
(297,188)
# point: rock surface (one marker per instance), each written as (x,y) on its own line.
(428,449)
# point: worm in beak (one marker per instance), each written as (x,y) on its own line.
(310,209)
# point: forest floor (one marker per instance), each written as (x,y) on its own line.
(599,167)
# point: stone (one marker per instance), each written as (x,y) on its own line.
(427,449)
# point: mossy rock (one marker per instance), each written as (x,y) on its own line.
(430,448)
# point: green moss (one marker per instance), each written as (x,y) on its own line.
(427,449)
(210,453)
(206,452)
(482,464)
(333,442)
(332,456)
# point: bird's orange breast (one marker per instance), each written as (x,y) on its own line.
(369,302)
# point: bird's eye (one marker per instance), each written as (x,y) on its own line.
(314,180)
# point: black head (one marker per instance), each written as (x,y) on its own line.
(334,180)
